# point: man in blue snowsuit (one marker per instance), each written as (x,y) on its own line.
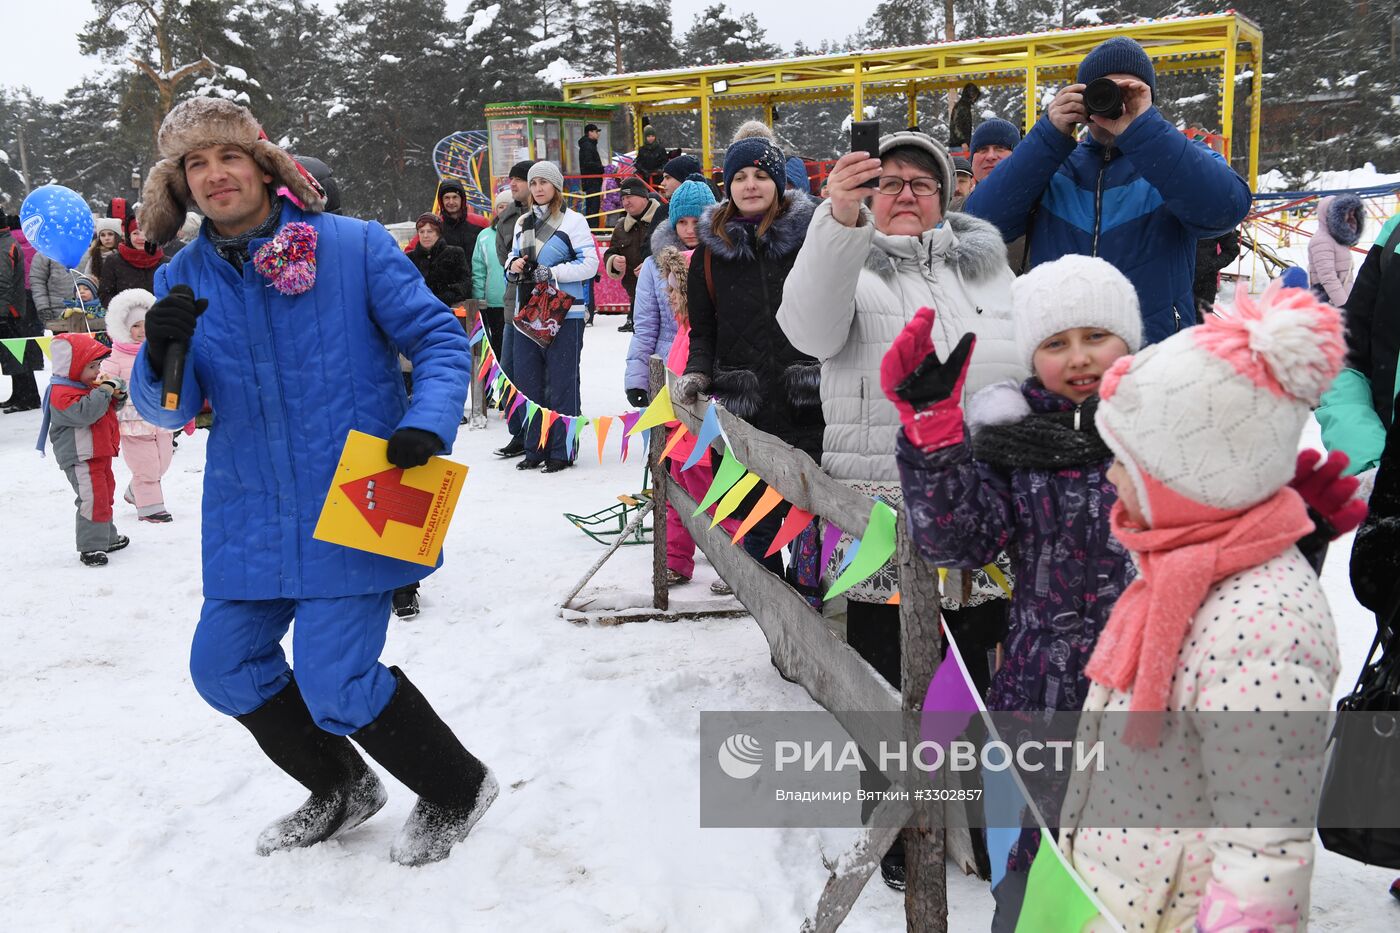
(288,373)
(1136,192)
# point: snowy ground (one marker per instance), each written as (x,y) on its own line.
(130,805)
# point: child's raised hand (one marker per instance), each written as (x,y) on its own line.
(1327,492)
(927,391)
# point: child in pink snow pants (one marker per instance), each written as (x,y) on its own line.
(146,448)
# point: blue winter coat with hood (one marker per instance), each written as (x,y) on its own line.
(654,323)
(1142,205)
(288,376)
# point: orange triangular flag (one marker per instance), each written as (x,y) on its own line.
(549,417)
(600,427)
(766,503)
(676,436)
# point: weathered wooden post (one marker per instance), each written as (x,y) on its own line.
(661,594)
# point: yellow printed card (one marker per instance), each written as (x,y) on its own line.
(376,507)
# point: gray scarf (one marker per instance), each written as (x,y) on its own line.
(235,248)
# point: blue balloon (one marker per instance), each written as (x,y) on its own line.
(57,223)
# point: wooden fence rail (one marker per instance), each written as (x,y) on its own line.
(807,651)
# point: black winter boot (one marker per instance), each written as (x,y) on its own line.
(453,787)
(344,791)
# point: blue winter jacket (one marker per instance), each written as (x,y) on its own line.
(288,377)
(654,323)
(1142,205)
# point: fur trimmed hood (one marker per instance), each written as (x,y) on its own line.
(127,308)
(664,237)
(973,246)
(1338,212)
(783,238)
(198,123)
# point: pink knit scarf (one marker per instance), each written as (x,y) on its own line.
(1192,548)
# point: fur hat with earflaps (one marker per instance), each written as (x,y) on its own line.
(201,122)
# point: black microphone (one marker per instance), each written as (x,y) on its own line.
(173,377)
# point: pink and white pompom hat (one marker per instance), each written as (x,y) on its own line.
(1211,416)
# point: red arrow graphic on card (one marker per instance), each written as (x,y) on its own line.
(383,498)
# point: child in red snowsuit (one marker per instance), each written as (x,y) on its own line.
(80,418)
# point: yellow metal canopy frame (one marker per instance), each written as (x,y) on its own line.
(1227,43)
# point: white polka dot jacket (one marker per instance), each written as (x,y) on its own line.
(1263,641)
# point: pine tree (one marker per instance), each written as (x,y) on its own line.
(400,66)
(717,36)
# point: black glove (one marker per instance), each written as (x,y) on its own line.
(171,320)
(933,381)
(410,447)
(638,398)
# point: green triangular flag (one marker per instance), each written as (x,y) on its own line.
(531,409)
(1055,900)
(16,347)
(730,472)
(876,547)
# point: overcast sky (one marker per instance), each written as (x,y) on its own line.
(42,46)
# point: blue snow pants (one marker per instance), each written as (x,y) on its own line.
(550,378)
(237,663)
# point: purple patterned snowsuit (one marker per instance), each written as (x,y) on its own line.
(1069,569)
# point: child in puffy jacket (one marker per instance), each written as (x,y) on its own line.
(146,448)
(80,419)
(1225,615)
(1032,477)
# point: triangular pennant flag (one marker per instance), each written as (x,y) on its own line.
(16,347)
(476,336)
(709,430)
(1002,804)
(796,522)
(549,417)
(1055,900)
(575,424)
(767,502)
(660,411)
(45,343)
(830,538)
(949,703)
(676,437)
(493,372)
(730,471)
(849,556)
(628,421)
(530,411)
(600,427)
(519,400)
(999,578)
(485,365)
(734,497)
(877,546)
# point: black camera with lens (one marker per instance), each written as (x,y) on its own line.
(1104,98)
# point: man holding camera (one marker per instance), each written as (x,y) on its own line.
(1135,192)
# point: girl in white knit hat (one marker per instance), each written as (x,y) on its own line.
(1224,616)
(146,448)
